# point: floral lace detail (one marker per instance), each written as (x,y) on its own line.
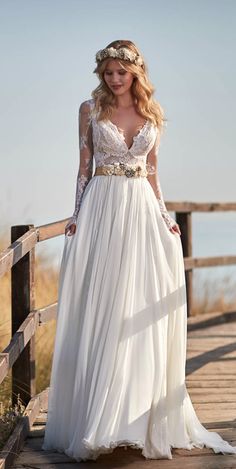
(86,158)
(110,146)
(81,184)
(170,222)
(103,142)
(154,180)
(83,141)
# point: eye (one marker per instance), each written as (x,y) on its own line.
(122,72)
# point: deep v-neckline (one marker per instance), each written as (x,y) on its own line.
(123,137)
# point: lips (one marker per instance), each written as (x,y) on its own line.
(116,87)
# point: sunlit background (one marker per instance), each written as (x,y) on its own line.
(47,60)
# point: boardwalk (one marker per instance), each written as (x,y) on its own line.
(211,381)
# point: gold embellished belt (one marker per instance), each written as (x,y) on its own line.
(121,169)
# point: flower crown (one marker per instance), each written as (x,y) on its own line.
(123,53)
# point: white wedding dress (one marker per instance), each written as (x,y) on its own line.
(118,372)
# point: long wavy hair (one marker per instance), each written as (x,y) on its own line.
(142,90)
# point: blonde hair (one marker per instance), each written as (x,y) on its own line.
(141,89)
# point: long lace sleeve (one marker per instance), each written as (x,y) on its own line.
(153,178)
(86,157)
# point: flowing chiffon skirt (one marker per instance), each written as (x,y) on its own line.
(118,372)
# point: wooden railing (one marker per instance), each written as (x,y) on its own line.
(20,257)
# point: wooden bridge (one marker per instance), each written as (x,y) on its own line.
(210,367)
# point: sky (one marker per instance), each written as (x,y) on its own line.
(48,49)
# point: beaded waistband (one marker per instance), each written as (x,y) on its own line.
(121,169)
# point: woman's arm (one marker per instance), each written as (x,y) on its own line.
(86,158)
(153,178)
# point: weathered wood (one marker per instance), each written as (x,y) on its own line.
(204,321)
(199,262)
(33,408)
(200,206)
(50,230)
(23,302)
(4,365)
(210,383)
(17,344)
(129,458)
(185,223)
(18,248)
(47,313)
(23,335)
(13,445)
(16,440)
(197,377)
(225,405)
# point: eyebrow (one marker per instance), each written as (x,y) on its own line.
(109,70)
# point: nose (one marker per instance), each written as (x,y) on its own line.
(114,77)
(115,80)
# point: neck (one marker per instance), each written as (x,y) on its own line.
(125,101)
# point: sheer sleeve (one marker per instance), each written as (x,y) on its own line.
(86,157)
(153,178)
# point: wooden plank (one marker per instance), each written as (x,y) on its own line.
(209,342)
(18,343)
(23,335)
(17,250)
(210,384)
(200,206)
(13,445)
(206,320)
(36,431)
(47,313)
(224,349)
(184,220)
(132,459)
(213,261)
(198,376)
(214,391)
(41,418)
(205,404)
(51,230)
(213,416)
(23,302)
(211,368)
(4,365)
(197,399)
(40,457)
(212,329)
(16,440)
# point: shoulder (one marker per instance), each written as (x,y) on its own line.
(86,106)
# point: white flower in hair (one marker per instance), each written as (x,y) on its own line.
(112,52)
(123,53)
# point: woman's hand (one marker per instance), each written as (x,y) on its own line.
(175,229)
(71,229)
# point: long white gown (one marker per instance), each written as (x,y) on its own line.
(118,371)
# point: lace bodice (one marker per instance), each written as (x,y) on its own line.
(110,145)
(103,143)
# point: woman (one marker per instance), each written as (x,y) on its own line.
(118,372)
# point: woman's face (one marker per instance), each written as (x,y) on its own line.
(117,78)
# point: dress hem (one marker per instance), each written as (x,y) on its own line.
(96,451)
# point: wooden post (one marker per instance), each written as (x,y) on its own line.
(23,301)
(184,220)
